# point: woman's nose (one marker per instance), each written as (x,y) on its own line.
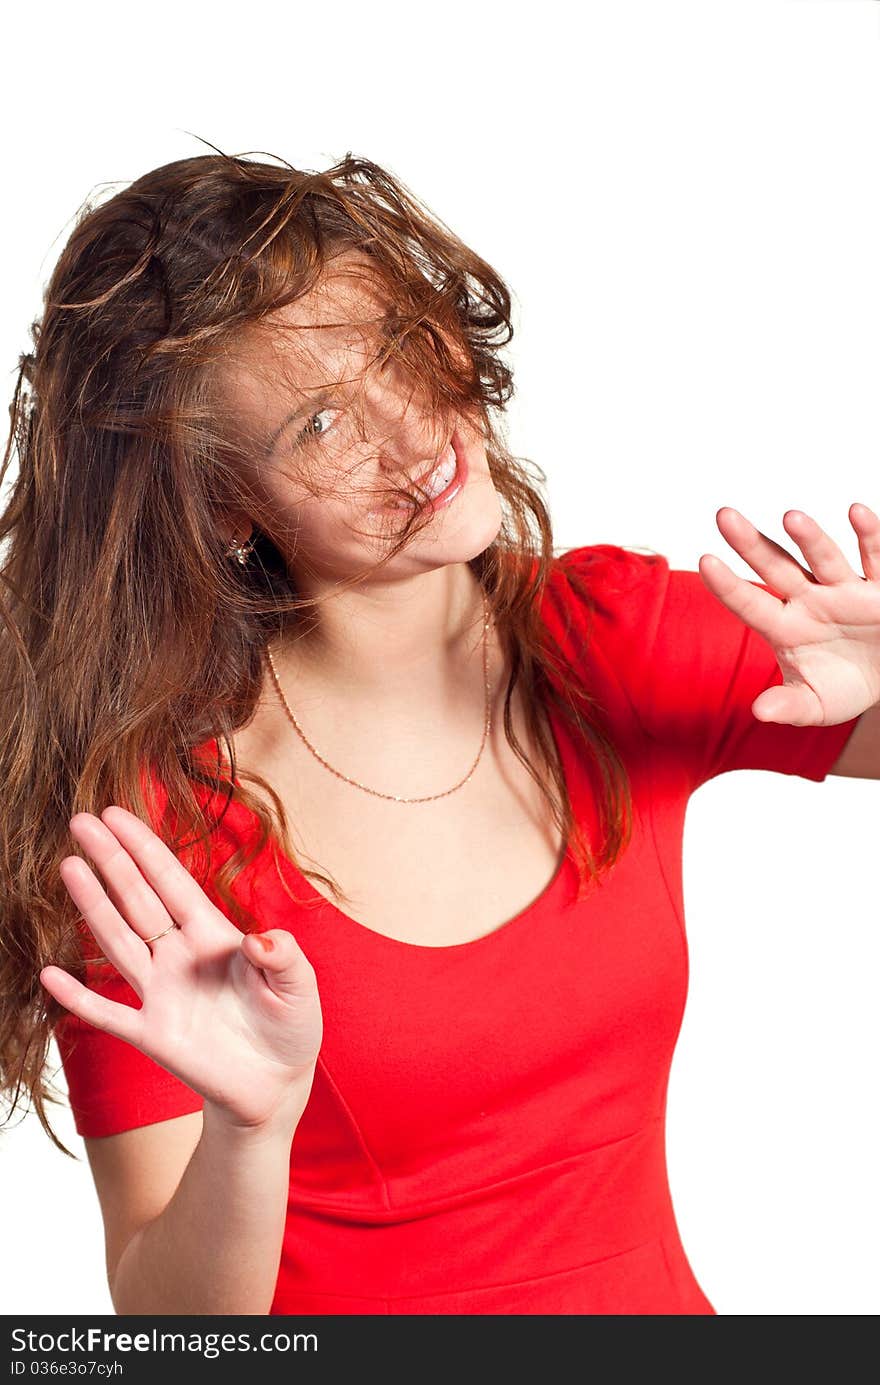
(407,431)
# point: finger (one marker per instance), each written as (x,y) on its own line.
(867,527)
(114,1018)
(793,706)
(759,609)
(134,899)
(281,959)
(826,559)
(779,569)
(119,943)
(184,900)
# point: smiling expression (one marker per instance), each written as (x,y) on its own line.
(337,446)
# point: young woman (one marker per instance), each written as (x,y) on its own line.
(394,1038)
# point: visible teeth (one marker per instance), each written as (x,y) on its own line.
(440,478)
(435,483)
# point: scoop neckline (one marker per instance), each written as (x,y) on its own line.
(502,931)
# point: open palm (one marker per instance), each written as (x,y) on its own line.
(823,620)
(241,1026)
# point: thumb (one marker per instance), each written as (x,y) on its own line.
(280,958)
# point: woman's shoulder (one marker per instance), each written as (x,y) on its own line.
(614,593)
(610,565)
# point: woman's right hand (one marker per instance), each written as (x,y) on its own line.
(239,1024)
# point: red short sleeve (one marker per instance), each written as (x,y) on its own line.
(112,1086)
(691,669)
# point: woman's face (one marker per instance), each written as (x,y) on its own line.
(327,435)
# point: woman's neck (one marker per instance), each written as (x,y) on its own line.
(415,638)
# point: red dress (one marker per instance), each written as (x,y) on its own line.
(485,1132)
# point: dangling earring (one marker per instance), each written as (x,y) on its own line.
(240,551)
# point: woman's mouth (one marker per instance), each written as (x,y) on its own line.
(442,483)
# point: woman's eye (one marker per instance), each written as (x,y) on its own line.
(310,431)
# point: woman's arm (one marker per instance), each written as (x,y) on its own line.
(216,1246)
(236,1018)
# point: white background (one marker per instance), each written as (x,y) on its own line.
(684,200)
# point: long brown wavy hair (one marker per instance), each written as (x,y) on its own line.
(128,638)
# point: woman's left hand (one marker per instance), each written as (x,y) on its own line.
(824,624)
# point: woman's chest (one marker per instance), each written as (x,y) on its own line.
(520,1048)
(434,873)
(560,1007)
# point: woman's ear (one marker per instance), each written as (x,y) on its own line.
(235,529)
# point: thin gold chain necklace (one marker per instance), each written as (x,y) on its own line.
(395,797)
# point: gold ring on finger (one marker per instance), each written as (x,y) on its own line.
(162,934)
